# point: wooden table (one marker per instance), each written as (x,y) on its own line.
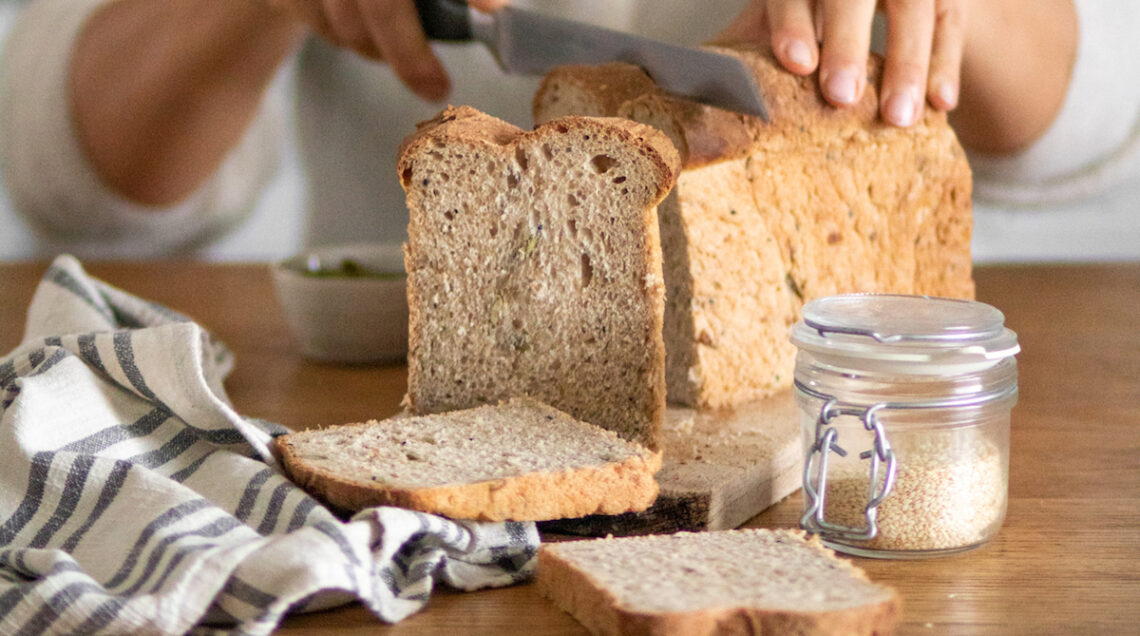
(1067,559)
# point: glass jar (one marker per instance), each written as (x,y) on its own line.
(905,404)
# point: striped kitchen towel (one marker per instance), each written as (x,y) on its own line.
(135,499)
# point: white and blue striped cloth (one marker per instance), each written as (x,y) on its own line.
(134,499)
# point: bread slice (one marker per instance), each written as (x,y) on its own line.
(767,216)
(534,266)
(726,582)
(719,469)
(521,460)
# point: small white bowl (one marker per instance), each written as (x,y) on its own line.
(346,303)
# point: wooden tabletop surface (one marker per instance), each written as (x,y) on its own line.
(1066,560)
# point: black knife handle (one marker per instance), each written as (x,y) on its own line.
(445,19)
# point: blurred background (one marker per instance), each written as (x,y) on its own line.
(309,202)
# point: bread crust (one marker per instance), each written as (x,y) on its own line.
(767,216)
(575,592)
(607,488)
(465,127)
(706,134)
(464,124)
(627,486)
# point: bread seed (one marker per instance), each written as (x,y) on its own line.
(944,497)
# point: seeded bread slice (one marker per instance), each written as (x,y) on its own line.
(521,460)
(534,266)
(727,582)
(766,216)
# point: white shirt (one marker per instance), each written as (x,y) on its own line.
(1075,193)
(318,164)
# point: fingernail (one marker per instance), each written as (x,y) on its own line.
(798,53)
(840,85)
(948,94)
(900,109)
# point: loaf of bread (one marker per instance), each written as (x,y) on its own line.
(767,216)
(534,266)
(727,582)
(520,460)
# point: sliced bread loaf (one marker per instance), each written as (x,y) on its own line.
(767,216)
(534,266)
(521,460)
(727,582)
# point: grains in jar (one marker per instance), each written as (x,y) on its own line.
(941,500)
(905,404)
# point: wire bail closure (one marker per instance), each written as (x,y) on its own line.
(826,442)
(936,376)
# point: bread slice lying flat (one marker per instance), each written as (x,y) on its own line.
(534,266)
(728,582)
(520,460)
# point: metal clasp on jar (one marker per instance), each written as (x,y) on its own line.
(826,442)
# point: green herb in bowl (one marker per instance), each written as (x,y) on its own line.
(346,268)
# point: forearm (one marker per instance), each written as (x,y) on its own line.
(1017,62)
(161,91)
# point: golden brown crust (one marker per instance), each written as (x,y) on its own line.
(873,620)
(576,593)
(626,486)
(705,134)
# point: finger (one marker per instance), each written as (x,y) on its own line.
(308,11)
(347,27)
(395,29)
(845,28)
(946,54)
(488,5)
(910,29)
(793,34)
(751,25)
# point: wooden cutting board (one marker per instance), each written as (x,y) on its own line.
(720,469)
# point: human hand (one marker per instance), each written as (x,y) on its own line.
(923,56)
(381,29)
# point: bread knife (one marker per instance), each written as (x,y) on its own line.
(530,43)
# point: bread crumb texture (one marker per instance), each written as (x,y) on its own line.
(768,216)
(520,460)
(737,581)
(534,266)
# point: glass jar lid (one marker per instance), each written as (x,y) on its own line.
(904,333)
